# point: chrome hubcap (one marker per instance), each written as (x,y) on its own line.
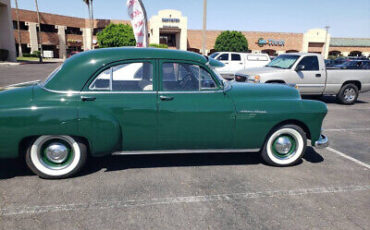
(349,94)
(56,153)
(283,145)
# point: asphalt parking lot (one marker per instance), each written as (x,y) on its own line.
(329,189)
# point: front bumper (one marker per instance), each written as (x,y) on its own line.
(322,142)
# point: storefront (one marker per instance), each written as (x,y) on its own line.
(169,27)
(6,30)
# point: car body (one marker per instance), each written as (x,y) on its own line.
(88,106)
(235,62)
(308,72)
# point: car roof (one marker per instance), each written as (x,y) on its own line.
(78,69)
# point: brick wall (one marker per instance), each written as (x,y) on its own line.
(293,41)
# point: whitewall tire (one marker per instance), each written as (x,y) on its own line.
(55,157)
(284,146)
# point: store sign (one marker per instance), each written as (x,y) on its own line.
(271,42)
(171,20)
(137,14)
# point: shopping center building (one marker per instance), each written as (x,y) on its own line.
(60,35)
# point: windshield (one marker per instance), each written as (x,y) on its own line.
(213,55)
(51,75)
(283,61)
(220,78)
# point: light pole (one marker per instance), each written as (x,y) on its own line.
(39,41)
(326,41)
(204,39)
(20,53)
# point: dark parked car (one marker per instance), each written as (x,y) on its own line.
(353,64)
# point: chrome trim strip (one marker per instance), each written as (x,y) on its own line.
(178,92)
(323,142)
(127,92)
(310,85)
(185,151)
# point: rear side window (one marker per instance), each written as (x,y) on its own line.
(257,58)
(235,57)
(311,63)
(125,77)
(223,57)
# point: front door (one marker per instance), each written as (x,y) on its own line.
(310,79)
(124,92)
(194,112)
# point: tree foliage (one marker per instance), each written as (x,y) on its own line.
(233,41)
(116,35)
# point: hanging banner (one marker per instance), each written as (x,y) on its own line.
(137,13)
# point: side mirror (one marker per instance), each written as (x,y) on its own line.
(240,78)
(300,68)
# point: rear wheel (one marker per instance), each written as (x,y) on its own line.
(56,157)
(348,94)
(284,146)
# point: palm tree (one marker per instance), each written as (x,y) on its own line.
(39,33)
(20,53)
(89,4)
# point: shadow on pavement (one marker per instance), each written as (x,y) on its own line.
(15,167)
(330,99)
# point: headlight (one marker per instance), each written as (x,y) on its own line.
(255,79)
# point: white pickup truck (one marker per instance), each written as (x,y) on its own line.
(234,62)
(308,72)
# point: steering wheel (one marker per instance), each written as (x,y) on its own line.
(188,82)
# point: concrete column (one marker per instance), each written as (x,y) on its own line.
(256,51)
(345,54)
(86,34)
(62,41)
(33,36)
(6,30)
(280,52)
(154,35)
(366,54)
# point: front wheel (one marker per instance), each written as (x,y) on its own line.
(284,146)
(348,94)
(56,157)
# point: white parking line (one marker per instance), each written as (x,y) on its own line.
(13,211)
(348,157)
(343,130)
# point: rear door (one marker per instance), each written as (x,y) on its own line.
(125,92)
(310,80)
(193,111)
(236,63)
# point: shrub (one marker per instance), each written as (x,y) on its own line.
(36,53)
(116,35)
(233,41)
(4,54)
(163,46)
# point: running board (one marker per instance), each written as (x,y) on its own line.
(182,151)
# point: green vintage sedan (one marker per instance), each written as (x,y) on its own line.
(150,101)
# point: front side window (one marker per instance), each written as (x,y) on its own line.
(186,77)
(125,77)
(310,63)
(223,57)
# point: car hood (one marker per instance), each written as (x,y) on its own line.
(261,70)
(258,91)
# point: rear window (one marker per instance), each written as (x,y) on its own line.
(257,58)
(52,75)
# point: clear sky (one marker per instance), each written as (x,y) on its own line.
(346,18)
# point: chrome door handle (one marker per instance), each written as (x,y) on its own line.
(166,98)
(84,98)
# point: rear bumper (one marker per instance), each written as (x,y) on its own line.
(322,142)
